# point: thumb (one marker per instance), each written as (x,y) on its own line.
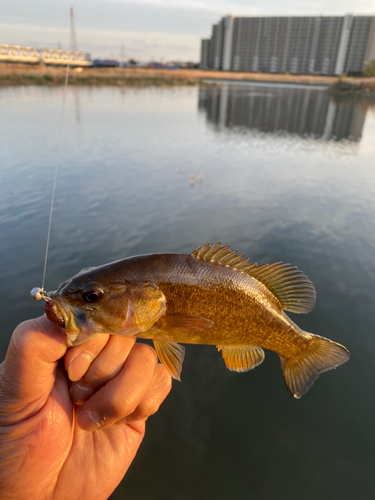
(29,370)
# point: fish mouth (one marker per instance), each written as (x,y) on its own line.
(69,319)
(62,315)
(54,313)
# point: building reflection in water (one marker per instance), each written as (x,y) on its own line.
(305,111)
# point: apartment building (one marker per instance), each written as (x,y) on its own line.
(321,45)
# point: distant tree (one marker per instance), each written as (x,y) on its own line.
(369,69)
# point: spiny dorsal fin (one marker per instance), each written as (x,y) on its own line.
(221,255)
(241,358)
(290,286)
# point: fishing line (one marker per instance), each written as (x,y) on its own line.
(38,293)
(55,177)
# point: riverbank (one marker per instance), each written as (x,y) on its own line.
(23,74)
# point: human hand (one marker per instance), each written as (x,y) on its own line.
(48,449)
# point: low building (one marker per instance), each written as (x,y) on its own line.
(105,63)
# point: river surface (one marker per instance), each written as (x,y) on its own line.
(279,173)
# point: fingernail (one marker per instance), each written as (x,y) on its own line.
(89,421)
(80,393)
(79,366)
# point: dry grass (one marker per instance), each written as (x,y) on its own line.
(23,74)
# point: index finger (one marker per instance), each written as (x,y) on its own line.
(78,359)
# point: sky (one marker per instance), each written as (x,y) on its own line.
(156,30)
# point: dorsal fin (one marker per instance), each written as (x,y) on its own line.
(290,286)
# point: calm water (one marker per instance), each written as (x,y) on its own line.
(280,174)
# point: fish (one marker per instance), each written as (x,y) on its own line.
(212,296)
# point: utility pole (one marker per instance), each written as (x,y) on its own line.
(73,48)
(73,40)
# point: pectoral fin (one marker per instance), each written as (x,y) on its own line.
(180,323)
(171,355)
(241,358)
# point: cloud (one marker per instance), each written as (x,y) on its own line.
(171,29)
(148,30)
(103,43)
(255,7)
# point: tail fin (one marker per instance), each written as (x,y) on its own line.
(301,371)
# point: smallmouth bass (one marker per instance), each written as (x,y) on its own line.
(212,296)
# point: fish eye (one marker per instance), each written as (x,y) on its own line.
(92,294)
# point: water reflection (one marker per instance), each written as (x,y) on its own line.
(140,174)
(305,111)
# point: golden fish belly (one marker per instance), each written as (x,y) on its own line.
(240,315)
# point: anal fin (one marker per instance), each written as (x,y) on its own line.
(241,358)
(171,355)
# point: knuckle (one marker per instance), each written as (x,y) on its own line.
(151,406)
(146,353)
(161,395)
(23,344)
(166,380)
(96,344)
(146,409)
(29,340)
(19,338)
(98,375)
(143,411)
(120,408)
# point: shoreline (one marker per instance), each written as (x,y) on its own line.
(23,74)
